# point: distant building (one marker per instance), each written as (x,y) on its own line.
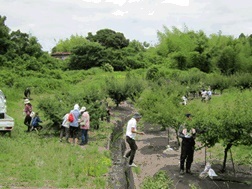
(60,55)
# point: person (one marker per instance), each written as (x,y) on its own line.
(184,100)
(27,111)
(75,124)
(203,95)
(108,111)
(84,125)
(187,147)
(35,123)
(27,93)
(209,93)
(131,133)
(64,128)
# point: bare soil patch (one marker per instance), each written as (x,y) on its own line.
(151,159)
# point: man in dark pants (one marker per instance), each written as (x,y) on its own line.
(27,93)
(187,147)
(130,138)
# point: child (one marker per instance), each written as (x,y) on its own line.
(35,123)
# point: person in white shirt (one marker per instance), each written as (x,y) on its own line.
(64,128)
(131,133)
(203,95)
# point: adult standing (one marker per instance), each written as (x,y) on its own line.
(187,147)
(27,93)
(27,111)
(75,124)
(64,128)
(131,133)
(84,125)
(209,93)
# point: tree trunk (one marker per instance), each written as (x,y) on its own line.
(229,145)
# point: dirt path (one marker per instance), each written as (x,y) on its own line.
(151,158)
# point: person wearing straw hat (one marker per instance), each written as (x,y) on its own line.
(131,133)
(27,111)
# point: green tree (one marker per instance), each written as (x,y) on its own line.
(68,44)
(116,89)
(109,38)
(87,56)
(227,62)
(4,36)
(227,120)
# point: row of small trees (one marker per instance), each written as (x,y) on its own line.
(225,119)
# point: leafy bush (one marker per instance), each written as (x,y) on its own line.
(107,67)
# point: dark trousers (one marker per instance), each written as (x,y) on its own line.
(133,149)
(74,133)
(27,122)
(187,152)
(84,136)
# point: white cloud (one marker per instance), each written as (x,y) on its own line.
(119,13)
(92,1)
(51,20)
(177,2)
(117,2)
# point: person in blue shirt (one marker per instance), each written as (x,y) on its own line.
(74,126)
(35,123)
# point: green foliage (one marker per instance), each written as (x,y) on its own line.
(159,181)
(218,82)
(109,39)
(4,36)
(68,44)
(107,67)
(179,60)
(153,73)
(116,90)
(242,81)
(227,61)
(86,56)
(120,90)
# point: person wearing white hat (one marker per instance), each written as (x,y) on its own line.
(27,111)
(84,125)
(74,125)
(130,138)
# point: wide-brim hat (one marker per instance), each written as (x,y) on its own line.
(137,116)
(83,109)
(26,101)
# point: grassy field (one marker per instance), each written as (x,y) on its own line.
(40,160)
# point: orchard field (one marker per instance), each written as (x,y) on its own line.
(106,69)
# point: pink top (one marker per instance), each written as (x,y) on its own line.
(28,109)
(84,121)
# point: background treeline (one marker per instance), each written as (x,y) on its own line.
(106,68)
(109,49)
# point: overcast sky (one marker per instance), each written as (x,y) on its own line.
(52,20)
